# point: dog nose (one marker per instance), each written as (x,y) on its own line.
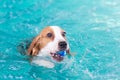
(62,45)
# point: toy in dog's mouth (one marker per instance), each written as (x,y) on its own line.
(59,55)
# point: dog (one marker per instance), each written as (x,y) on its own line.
(46,44)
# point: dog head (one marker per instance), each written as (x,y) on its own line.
(51,40)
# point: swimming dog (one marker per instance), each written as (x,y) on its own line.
(47,43)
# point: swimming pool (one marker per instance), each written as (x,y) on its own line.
(93,31)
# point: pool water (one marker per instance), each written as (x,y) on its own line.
(93,31)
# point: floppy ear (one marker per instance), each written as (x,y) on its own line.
(68,51)
(34,46)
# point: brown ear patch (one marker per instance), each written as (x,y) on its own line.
(34,46)
(40,41)
(68,51)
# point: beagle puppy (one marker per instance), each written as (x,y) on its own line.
(51,40)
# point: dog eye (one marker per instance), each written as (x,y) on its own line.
(63,34)
(49,35)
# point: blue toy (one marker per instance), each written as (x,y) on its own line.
(62,53)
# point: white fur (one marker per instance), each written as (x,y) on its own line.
(51,47)
(44,63)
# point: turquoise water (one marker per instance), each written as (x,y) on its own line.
(93,31)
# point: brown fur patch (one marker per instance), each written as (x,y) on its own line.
(40,41)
